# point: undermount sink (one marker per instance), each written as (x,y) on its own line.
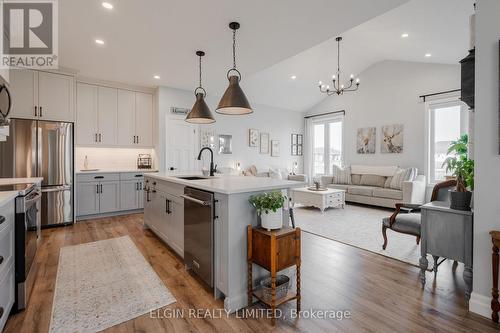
(192,177)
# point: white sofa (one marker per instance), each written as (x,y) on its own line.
(372,189)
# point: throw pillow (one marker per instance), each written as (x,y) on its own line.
(372,180)
(355,179)
(388,182)
(341,176)
(275,174)
(399,177)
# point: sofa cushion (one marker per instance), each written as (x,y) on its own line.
(361,190)
(355,179)
(338,186)
(341,175)
(406,223)
(385,171)
(401,176)
(388,193)
(372,180)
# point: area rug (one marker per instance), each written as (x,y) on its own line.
(102,284)
(359,226)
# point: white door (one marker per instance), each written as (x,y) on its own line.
(144,119)
(55,96)
(181,145)
(23,88)
(86,114)
(109,197)
(126,117)
(87,198)
(129,194)
(107,115)
(176,232)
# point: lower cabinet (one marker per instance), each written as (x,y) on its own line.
(131,195)
(7,272)
(164,214)
(97,197)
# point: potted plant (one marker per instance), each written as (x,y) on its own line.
(462,167)
(269,209)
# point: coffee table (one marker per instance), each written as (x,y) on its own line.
(319,199)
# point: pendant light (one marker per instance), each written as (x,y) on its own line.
(200,113)
(234,101)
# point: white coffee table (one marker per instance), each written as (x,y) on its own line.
(319,199)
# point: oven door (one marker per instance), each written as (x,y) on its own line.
(32,204)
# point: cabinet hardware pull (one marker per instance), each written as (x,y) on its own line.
(137,186)
(1,311)
(2,219)
(137,176)
(137,139)
(166,206)
(97,188)
(1,260)
(100,136)
(134,138)
(98,177)
(95,137)
(41,114)
(147,196)
(35,111)
(101,188)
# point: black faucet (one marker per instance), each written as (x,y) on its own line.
(212,168)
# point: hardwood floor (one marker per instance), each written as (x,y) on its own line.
(381,294)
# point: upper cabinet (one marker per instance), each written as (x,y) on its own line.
(42,95)
(113,117)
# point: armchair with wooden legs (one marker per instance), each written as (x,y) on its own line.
(406,217)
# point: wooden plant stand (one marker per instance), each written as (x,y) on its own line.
(495,305)
(274,251)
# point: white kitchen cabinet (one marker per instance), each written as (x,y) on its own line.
(144,119)
(131,195)
(109,197)
(87,198)
(7,272)
(176,223)
(126,118)
(86,105)
(97,109)
(42,95)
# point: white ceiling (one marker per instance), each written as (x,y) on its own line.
(148,37)
(439,27)
(277,39)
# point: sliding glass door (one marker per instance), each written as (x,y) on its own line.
(327,146)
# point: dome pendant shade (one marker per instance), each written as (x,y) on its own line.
(200,113)
(234,101)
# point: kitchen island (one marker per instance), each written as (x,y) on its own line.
(164,214)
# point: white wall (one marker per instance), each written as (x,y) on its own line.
(388,94)
(110,158)
(487,182)
(279,123)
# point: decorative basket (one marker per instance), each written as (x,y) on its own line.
(282,286)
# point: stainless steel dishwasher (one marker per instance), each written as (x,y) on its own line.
(199,233)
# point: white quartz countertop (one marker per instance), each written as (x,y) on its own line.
(6,196)
(115,171)
(226,184)
(11,181)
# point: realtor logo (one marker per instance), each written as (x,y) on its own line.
(29,34)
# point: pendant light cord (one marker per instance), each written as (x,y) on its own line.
(338,62)
(234,48)
(200,71)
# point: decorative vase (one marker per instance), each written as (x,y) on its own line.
(272,220)
(460,200)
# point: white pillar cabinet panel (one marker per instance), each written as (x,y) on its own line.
(126,117)
(144,119)
(87,198)
(86,114)
(24,92)
(107,109)
(109,197)
(129,194)
(177,224)
(140,196)
(55,96)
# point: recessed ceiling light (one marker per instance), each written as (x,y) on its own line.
(404,35)
(157,77)
(428,55)
(107,5)
(293,77)
(99,41)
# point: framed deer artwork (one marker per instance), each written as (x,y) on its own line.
(392,139)
(365,142)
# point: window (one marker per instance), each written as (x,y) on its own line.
(448,121)
(327,149)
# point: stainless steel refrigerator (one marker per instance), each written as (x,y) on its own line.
(37,148)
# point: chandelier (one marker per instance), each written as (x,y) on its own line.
(337,87)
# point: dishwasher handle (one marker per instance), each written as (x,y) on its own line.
(200,202)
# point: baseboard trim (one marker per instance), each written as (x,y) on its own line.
(480,305)
(98,216)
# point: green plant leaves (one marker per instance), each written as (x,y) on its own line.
(267,202)
(459,163)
